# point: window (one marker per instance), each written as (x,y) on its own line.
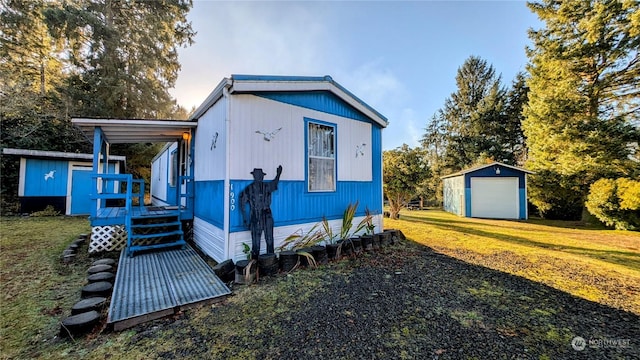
(173,169)
(321,157)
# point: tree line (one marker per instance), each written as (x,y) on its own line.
(573,118)
(85,58)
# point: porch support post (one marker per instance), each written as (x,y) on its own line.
(97,145)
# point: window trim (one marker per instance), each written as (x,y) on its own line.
(307,122)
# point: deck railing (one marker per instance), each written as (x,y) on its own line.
(109,187)
(187,210)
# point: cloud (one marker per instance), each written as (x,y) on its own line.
(375,84)
(252,38)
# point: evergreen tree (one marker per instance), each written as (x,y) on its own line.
(86,58)
(480,122)
(513,142)
(123,54)
(581,121)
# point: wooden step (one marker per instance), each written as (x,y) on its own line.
(156,235)
(141,226)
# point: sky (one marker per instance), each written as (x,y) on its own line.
(401,58)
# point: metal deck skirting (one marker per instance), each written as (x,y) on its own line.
(152,285)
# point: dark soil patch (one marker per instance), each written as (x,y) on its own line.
(405,302)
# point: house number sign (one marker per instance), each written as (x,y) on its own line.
(232,198)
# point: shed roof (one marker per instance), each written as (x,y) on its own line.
(129,131)
(56,154)
(479,167)
(271,83)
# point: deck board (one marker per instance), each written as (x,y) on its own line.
(117,215)
(156,284)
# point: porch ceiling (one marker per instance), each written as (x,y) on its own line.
(126,131)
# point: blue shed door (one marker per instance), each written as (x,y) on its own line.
(81,190)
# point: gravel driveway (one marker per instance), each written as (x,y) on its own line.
(405,302)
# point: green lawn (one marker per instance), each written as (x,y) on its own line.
(586,261)
(603,266)
(36,288)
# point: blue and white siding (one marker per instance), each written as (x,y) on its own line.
(211,186)
(505,173)
(61,183)
(491,191)
(358,177)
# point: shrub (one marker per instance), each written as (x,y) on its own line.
(48,211)
(616,203)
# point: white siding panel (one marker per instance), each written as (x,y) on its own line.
(454,201)
(159,178)
(210,144)
(354,151)
(250,150)
(209,239)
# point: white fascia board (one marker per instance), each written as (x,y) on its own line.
(132,122)
(56,154)
(213,97)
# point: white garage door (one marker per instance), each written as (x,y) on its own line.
(495,198)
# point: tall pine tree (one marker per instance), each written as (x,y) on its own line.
(93,58)
(581,122)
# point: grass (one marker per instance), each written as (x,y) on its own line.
(603,266)
(35,287)
(586,261)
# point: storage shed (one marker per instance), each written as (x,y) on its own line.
(61,180)
(495,190)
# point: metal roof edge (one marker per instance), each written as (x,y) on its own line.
(102,121)
(480,167)
(254,83)
(213,97)
(56,154)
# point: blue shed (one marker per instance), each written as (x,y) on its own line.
(58,179)
(494,191)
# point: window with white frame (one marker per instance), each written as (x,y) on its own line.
(321,157)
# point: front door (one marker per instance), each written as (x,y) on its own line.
(81,185)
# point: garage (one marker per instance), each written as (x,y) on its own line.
(493,191)
(495,198)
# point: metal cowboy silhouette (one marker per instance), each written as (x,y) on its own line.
(258,196)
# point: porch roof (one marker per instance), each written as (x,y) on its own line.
(126,131)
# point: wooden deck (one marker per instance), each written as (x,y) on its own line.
(117,215)
(152,285)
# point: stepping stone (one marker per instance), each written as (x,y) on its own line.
(101,276)
(68,252)
(78,242)
(97,289)
(79,324)
(73,246)
(68,258)
(83,236)
(90,304)
(100,268)
(106,261)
